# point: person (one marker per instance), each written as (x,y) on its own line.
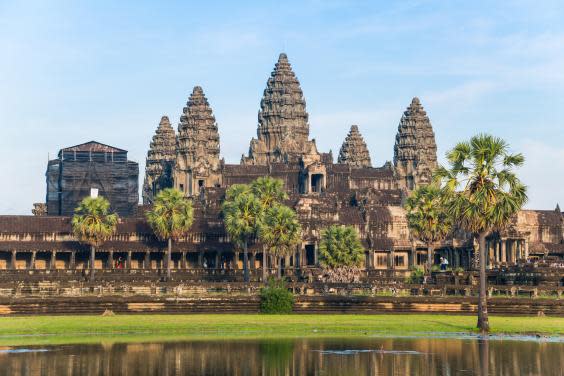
(444,263)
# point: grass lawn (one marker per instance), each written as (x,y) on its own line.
(31,330)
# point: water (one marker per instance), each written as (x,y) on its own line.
(346,356)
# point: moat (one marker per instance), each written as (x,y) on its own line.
(314,356)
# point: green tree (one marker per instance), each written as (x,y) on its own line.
(484,194)
(428,218)
(280,232)
(340,248)
(93,224)
(170,218)
(270,192)
(242,213)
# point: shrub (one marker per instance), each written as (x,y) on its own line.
(275,298)
(416,276)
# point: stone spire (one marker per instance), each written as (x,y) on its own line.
(415,150)
(160,161)
(354,151)
(197,148)
(283,129)
(557,209)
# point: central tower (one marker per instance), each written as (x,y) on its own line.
(283,129)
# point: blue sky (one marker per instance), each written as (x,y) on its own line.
(73,71)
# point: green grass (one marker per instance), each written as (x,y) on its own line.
(31,330)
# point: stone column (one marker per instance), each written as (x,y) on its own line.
(200,259)
(128,261)
(503,257)
(52,263)
(252,260)
(518,249)
(183,263)
(315,255)
(110,263)
(391,261)
(73,260)
(217,260)
(32,261)
(410,257)
(526,255)
(147,261)
(13,260)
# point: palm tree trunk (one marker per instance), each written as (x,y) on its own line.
(483,322)
(264,264)
(430,251)
(169,258)
(92,256)
(279,267)
(245,262)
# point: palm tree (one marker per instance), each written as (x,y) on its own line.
(170,218)
(93,224)
(340,248)
(484,194)
(241,214)
(427,217)
(280,231)
(270,192)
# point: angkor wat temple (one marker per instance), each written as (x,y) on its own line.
(323,192)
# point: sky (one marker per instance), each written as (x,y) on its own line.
(75,71)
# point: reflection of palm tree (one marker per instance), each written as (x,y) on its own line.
(483,347)
(276,356)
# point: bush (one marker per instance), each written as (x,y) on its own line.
(275,298)
(416,276)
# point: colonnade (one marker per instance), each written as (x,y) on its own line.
(506,250)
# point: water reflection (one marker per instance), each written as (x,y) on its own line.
(350,356)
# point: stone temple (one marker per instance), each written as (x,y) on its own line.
(322,190)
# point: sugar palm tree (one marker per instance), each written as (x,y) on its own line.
(93,224)
(427,217)
(280,232)
(170,218)
(484,194)
(270,192)
(340,249)
(241,215)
